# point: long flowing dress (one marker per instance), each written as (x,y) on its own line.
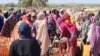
(42,35)
(95,37)
(72,29)
(73,39)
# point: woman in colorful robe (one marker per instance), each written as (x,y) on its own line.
(85,27)
(72,28)
(64,30)
(42,33)
(9,24)
(95,37)
(89,29)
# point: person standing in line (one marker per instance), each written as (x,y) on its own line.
(30,19)
(25,45)
(72,29)
(66,49)
(95,36)
(9,24)
(42,33)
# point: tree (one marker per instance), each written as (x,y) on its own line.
(25,3)
(39,3)
(10,5)
(34,3)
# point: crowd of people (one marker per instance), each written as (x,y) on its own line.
(32,32)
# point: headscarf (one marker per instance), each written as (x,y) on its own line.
(24,31)
(53,10)
(66,16)
(93,19)
(40,16)
(90,15)
(70,26)
(55,14)
(61,12)
(84,16)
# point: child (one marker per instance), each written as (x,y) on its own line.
(66,49)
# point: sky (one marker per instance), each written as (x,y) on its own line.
(57,1)
(75,1)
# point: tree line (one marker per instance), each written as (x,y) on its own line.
(32,3)
(26,3)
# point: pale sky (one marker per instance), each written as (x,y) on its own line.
(75,1)
(57,1)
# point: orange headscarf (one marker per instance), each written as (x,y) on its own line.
(66,17)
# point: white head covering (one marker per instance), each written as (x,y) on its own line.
(40,16)
(61,10)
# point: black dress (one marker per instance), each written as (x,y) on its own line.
(29,47)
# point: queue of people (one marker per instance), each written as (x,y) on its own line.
(33,32)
